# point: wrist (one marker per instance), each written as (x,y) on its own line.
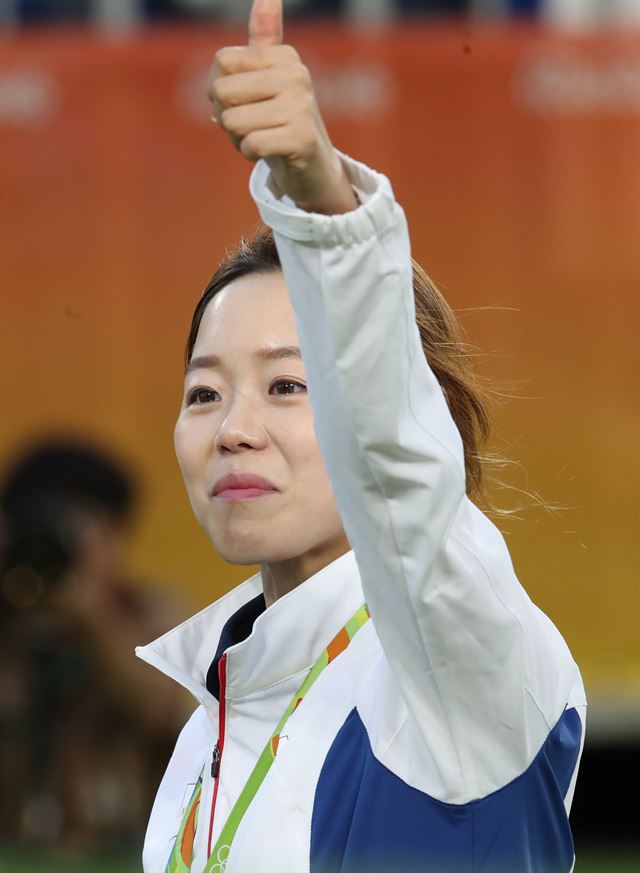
(333,194)
(343,201)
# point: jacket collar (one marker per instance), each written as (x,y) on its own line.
(264,646)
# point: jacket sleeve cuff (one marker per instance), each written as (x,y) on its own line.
(370,219)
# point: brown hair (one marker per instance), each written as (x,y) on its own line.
(441,334)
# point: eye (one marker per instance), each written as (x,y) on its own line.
(287,386)
(201,396)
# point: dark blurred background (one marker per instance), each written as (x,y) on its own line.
(511,132)
(126,12)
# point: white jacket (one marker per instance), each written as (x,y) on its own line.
(447,736)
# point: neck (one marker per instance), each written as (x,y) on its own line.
(281,577)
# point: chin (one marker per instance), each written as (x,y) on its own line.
(247,548)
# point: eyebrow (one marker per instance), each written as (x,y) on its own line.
(270,353)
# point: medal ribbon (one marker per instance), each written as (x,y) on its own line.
(180,859)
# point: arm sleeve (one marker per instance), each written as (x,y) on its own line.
(484,673)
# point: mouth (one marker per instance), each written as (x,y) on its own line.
(244,493)
(242,486)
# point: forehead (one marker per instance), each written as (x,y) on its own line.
(248,314)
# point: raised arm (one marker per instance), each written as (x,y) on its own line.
(484,673)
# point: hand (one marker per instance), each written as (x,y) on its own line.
(263,97)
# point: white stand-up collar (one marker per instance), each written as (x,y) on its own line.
(286,638)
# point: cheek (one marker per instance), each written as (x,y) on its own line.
(190,448)
(311,473)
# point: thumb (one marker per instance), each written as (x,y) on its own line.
(265,22)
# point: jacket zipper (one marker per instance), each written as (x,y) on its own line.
(216,759)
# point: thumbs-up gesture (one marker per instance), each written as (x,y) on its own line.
(263,97)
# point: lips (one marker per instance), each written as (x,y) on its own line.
(242,485)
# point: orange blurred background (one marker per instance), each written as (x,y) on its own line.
(515,154)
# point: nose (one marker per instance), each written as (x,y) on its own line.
(242,427)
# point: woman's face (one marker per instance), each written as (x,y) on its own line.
(245,410)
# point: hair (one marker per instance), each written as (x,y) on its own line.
(72,471)
(441,334)
(40,498)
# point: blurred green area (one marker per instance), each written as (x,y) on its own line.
(16,861)
(601,861)
(607,862)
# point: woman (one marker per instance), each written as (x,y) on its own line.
(444,733)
